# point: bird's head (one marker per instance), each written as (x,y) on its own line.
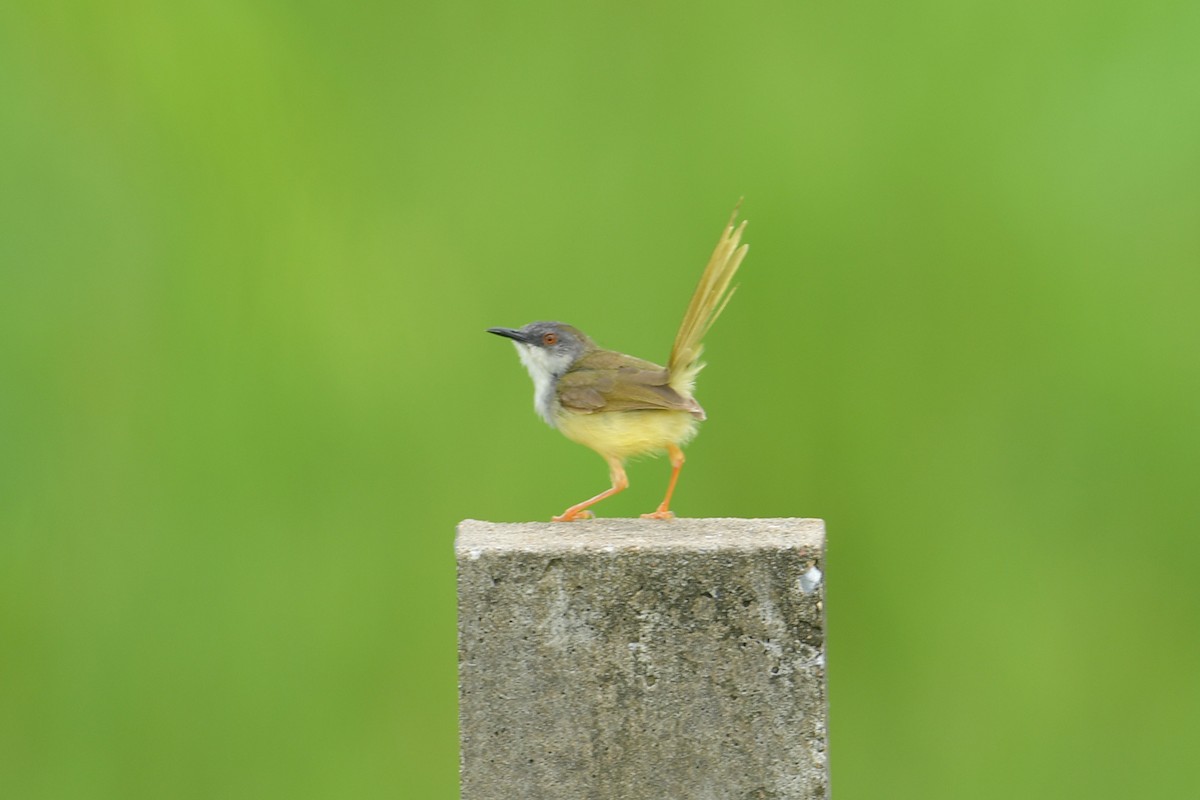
(547,349)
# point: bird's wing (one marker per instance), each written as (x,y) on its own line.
(606,381)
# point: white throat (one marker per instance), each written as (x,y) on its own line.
(545,368)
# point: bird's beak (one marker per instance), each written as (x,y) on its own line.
(509,333)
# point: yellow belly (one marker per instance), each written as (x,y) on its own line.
(626,434)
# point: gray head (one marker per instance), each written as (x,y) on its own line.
(547,348)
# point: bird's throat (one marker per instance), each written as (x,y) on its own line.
(545,369)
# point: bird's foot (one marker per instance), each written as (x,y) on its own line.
(662,513)
(570,516)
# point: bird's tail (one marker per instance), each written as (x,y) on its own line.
(708,301)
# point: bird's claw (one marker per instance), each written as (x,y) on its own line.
(567,516)
(660,514)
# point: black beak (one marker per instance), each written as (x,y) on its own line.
(508,333)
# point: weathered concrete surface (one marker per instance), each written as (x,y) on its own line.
(642,660)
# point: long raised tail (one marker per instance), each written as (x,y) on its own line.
(708,301)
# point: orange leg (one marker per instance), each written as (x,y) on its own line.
(663,511)
(616,471)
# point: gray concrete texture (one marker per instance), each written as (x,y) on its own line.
(616,659)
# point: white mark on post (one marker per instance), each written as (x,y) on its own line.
(810,580)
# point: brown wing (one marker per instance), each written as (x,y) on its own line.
(606,381)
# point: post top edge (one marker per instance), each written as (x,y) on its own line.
(637,534)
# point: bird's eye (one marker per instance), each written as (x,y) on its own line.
(549,339)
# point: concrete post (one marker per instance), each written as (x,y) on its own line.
(618,659)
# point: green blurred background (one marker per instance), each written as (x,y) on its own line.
(248,252)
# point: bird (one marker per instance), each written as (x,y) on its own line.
(621,406)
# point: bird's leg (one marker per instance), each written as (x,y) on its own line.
(616,471)
(663,511)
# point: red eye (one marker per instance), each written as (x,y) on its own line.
(549,339)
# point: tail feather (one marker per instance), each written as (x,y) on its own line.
(709,300)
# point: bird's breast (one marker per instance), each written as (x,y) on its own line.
(627,434)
